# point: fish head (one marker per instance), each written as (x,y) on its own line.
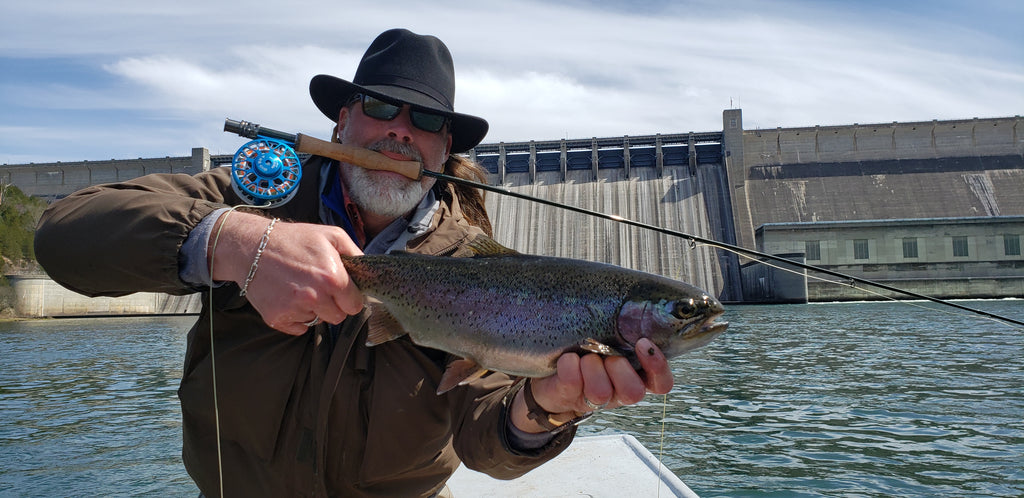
(675,321)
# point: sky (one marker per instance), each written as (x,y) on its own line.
(121,79)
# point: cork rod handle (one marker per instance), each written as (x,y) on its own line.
(357,155)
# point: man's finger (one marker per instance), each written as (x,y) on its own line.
(597,387)
(656,371)
(629,386)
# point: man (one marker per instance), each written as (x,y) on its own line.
(279,394)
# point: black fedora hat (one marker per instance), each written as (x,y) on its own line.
(403,66)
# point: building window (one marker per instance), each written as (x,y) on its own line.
(910,248)
(860,249)
(812,249)
(960,247)
(1011,245)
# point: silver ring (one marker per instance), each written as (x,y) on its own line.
(314,321)
(593,406)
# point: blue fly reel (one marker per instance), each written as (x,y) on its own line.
(266,172)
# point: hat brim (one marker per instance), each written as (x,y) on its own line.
(330,93)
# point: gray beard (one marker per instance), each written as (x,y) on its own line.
(381,194)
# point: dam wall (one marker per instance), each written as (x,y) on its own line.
(675,200)
(39,297)
(56,180)
(673,182)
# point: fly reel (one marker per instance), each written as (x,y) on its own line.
(266,172)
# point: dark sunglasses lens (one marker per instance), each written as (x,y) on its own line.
(379,109)
(427,121)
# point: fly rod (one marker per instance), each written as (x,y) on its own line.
(414,170)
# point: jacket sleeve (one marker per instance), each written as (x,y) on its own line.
(481,434)
(116,239)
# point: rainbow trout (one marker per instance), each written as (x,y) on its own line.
(514,313)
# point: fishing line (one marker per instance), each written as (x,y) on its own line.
(213,363)
(213,356)
(869,291)
(661,445)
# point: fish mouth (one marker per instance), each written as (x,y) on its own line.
(697,335)
(710,326)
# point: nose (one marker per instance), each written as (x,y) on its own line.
(401,127)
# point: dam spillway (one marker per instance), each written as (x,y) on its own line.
(675,182)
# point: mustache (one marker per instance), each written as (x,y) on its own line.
(388,145)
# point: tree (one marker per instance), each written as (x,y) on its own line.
(19,214)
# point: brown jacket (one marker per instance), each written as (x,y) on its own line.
(320,414)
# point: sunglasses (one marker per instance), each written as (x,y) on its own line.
(386,111)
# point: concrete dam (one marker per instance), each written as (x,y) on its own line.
(769,190)
(675,182)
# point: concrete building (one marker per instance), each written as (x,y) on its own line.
(936,169)
(976,257)
(884,175)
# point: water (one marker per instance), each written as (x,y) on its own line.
(89,407)
(854,399)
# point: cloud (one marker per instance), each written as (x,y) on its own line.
(267,80)
(534,70)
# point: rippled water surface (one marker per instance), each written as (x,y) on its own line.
(89,407)
(854,399)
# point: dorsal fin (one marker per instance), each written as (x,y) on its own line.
(484,246)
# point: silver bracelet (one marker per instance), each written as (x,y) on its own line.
(256,260)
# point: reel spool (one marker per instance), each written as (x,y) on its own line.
(266,172)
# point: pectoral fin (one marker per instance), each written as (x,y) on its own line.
(460,372)
(383,327)
(593,346)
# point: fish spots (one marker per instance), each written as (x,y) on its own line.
(516,313)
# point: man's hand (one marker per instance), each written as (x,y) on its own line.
(300,275)
(604,381)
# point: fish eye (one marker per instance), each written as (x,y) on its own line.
(684,308)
